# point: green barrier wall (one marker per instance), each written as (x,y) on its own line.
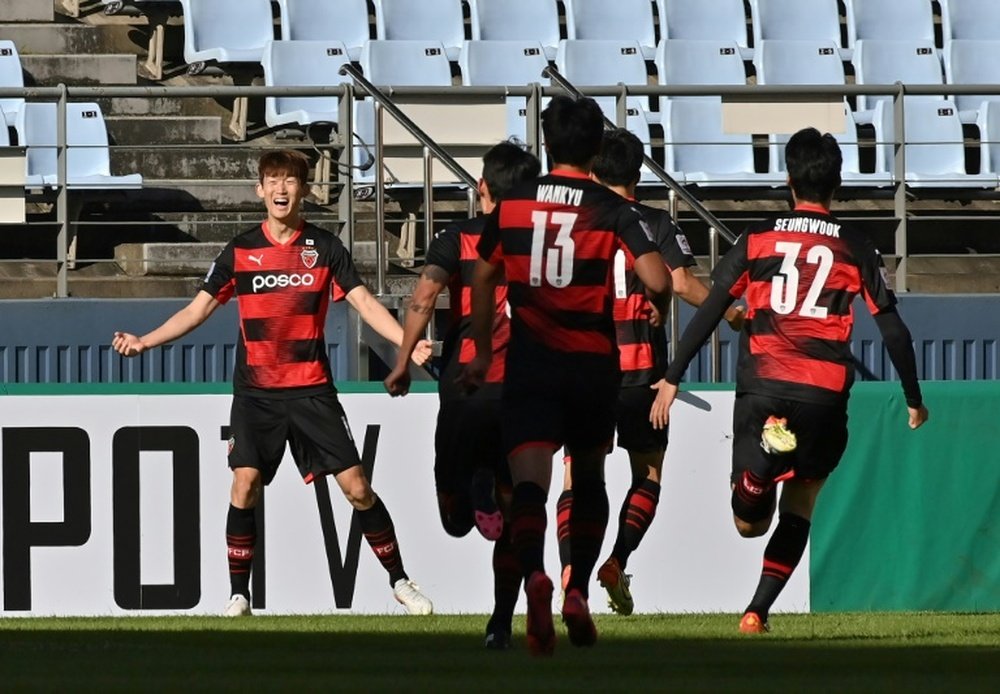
(911,519)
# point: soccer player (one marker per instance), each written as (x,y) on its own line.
(470,469)
(555,239)
(800,273)
(284,273)
(642,347)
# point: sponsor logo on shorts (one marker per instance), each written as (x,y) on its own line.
(282,280)
(309,257)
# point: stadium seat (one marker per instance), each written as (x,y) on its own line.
(715,20)
(689,61)
(226,31)
(886,62)
(630,20)
(422,20)
(11,75)
(972,62)
(989,134)
(898,20)
(593,63)
(695,144)
(797,20)
(516,20)
(970,19)
(303,64)
(798,62)
(504,63)
(88,161)
(934,147)
(344,21)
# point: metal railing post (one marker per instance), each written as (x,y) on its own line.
(621,106)
(428,198)
(675,304)
(380,256)
(899,191)
(715,352)
(65,240)
(532,114)
(345,204)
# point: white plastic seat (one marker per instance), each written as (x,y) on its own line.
(989,134)
(695,144)
(714,20)
(894,20)
(226,31)
(972,62)
(422,20)
(303,64)
(934,146)
(797,20)
(11,75)
(970,19)
(516,20)
(630,20)
(88,161)
(4,131)
(887,62)
(798,62)
(593,63)
(694,62)
(343,21)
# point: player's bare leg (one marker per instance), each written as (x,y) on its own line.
(379,531)
(531,472)
(241,537)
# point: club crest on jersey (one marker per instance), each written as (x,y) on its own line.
(309,257)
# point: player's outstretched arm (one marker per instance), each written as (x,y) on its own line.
(432,282)
(178,325)
(654,275)
(694,292)
(899,344)
(381,321)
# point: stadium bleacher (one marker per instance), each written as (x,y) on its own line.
(797,20)
(888,61)
(970,61)
(516,20)
(427,20)
(345,21)
(899,20)
(11,75)
(716,20)
(630,20)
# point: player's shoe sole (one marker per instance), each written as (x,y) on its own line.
(576,617)
(488,518)
(616,583)
(540,629)
(776,437)
(238,606)
(751,623)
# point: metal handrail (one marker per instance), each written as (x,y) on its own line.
(703,212)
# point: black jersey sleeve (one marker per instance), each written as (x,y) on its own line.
(345,274)
(220,281)
(673,244)
(445,250)
(635,232)
(874,276)
(489,241)
(899,344)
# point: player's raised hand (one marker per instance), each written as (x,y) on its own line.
(735,317)
(127,344)
(422,352)
(398,381)
(473,374)
(659,413)
(918,415)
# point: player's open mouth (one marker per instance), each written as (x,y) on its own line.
(281,202)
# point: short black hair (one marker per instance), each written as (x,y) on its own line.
(573,130)
(505,165)
(620,159)
(284,162)
(813,161)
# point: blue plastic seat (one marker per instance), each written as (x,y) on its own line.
(11,75)
(422,20)
(303,64)
(516,20)
(226,31)
(601,20)
(972,62)
(886,62)
(797,20)
(989,134)
(715,20)
(970,19)
(343,21)
(893,20)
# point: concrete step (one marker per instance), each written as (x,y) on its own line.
(216,163)
(971,274)
(27,11)
(56,39)
(165,130)
(47,70)
(184,259)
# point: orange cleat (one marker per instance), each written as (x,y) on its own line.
(753,624)
(576,616)
(541,632)
(613,580)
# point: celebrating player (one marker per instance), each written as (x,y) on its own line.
(642,347)
(470,469)
(284,273)
(800,273)
(555,239)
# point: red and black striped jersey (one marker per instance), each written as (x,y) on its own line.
(454,251)
(642,349)
(800,273)
(557,237)
(283,292)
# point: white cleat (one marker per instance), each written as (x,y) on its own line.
(409,596)
(238,606)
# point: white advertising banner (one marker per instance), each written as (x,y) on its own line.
(116,505)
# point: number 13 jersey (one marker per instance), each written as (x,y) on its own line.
(557,237)
(800,273)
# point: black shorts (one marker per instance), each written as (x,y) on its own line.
(559,399)
(315,427)
(635,431)
(467,438)
(820,431)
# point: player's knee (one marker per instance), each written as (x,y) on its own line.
(753,501)
(359,495)
(456,520)
(746,529)
(245,490)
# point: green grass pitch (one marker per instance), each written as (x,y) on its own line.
(902,652)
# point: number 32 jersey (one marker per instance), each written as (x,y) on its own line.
(557,237)
(800,273)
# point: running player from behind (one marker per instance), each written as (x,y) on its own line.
(642,347)
(555,239)
(284,272)
(471,474)
(800,273)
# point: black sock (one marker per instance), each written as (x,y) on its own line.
(506,582)
(635,518)
(241,536)
(527,526)
(376,524)
(587,523)
(563,506)
(781,556)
